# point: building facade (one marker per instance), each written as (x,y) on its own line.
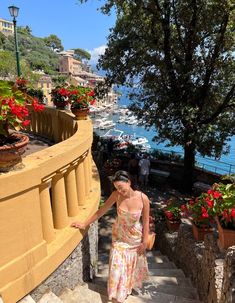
(6,27)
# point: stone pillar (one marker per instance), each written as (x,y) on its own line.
(59,205)
(80,180)
(46,213)
(71,191)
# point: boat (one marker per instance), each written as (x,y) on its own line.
(118,137)
(114,134)
(107,124)
(139,140)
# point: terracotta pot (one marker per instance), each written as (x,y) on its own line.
(60,104)
(172,225)
(10,153)
(80,113)
(226,236)
(200,232)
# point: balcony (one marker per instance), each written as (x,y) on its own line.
(57,185)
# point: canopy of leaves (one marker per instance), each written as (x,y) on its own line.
(180,57)
(54,43)
(81,54)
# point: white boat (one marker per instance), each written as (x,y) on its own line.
(119,138)
(107,124)
(98,122)
(114,133)
(139,141)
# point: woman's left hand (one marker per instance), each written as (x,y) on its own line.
(141,249)
(78,225)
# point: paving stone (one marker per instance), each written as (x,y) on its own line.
(27,299)
(50,297)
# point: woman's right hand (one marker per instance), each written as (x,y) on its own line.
(78,225)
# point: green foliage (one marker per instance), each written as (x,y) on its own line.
(81,54)
(179,56)
(54,43)
(7,64)
(33,51)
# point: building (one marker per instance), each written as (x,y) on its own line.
(45,84)
(6,27)
(69,65)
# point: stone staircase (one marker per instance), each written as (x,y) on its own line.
(166,284)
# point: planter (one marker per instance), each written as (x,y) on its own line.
(60,104)
(226,236)
(10,153)
(200,232)
(80,113)
(173,225)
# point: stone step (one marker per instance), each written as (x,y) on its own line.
(183,282)
(103,268)
(167,272)
(50,297)
(27,299)
(149,290)
(157,259)
(104,259)
(162,280)
(154,253)
(83,294)
(160,298)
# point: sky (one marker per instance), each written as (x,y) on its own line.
(77,25)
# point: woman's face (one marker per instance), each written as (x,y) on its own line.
(122,187)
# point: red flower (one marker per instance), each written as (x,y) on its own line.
(217,194)
(25,123)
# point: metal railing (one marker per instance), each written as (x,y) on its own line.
(216,166)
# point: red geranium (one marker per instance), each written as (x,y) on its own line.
(13,111)
(81,97)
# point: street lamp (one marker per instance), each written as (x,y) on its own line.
(14,13)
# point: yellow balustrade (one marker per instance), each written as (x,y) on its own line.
(57,185)
(46,212)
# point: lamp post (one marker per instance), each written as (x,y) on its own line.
(14,13)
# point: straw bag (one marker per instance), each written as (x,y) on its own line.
(151,240)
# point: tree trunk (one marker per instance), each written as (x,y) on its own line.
(189,161)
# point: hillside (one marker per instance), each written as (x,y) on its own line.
(36,52)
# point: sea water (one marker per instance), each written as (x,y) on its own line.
(224,165)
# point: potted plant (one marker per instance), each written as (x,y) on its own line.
(225,213)
(60,96)
(14,115)
(201,213)
(80,99)
(173,215)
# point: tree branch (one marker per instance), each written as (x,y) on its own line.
(225,104)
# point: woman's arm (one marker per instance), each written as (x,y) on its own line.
(145,222)
(100,212)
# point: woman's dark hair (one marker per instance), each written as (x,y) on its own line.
(121,175)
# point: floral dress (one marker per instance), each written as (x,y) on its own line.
(127,269)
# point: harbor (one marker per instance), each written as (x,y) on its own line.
(119,123)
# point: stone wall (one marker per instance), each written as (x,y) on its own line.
(211,271)
(80,266)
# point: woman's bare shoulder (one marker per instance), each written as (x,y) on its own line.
(144,196)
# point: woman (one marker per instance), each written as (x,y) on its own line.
(127,263)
